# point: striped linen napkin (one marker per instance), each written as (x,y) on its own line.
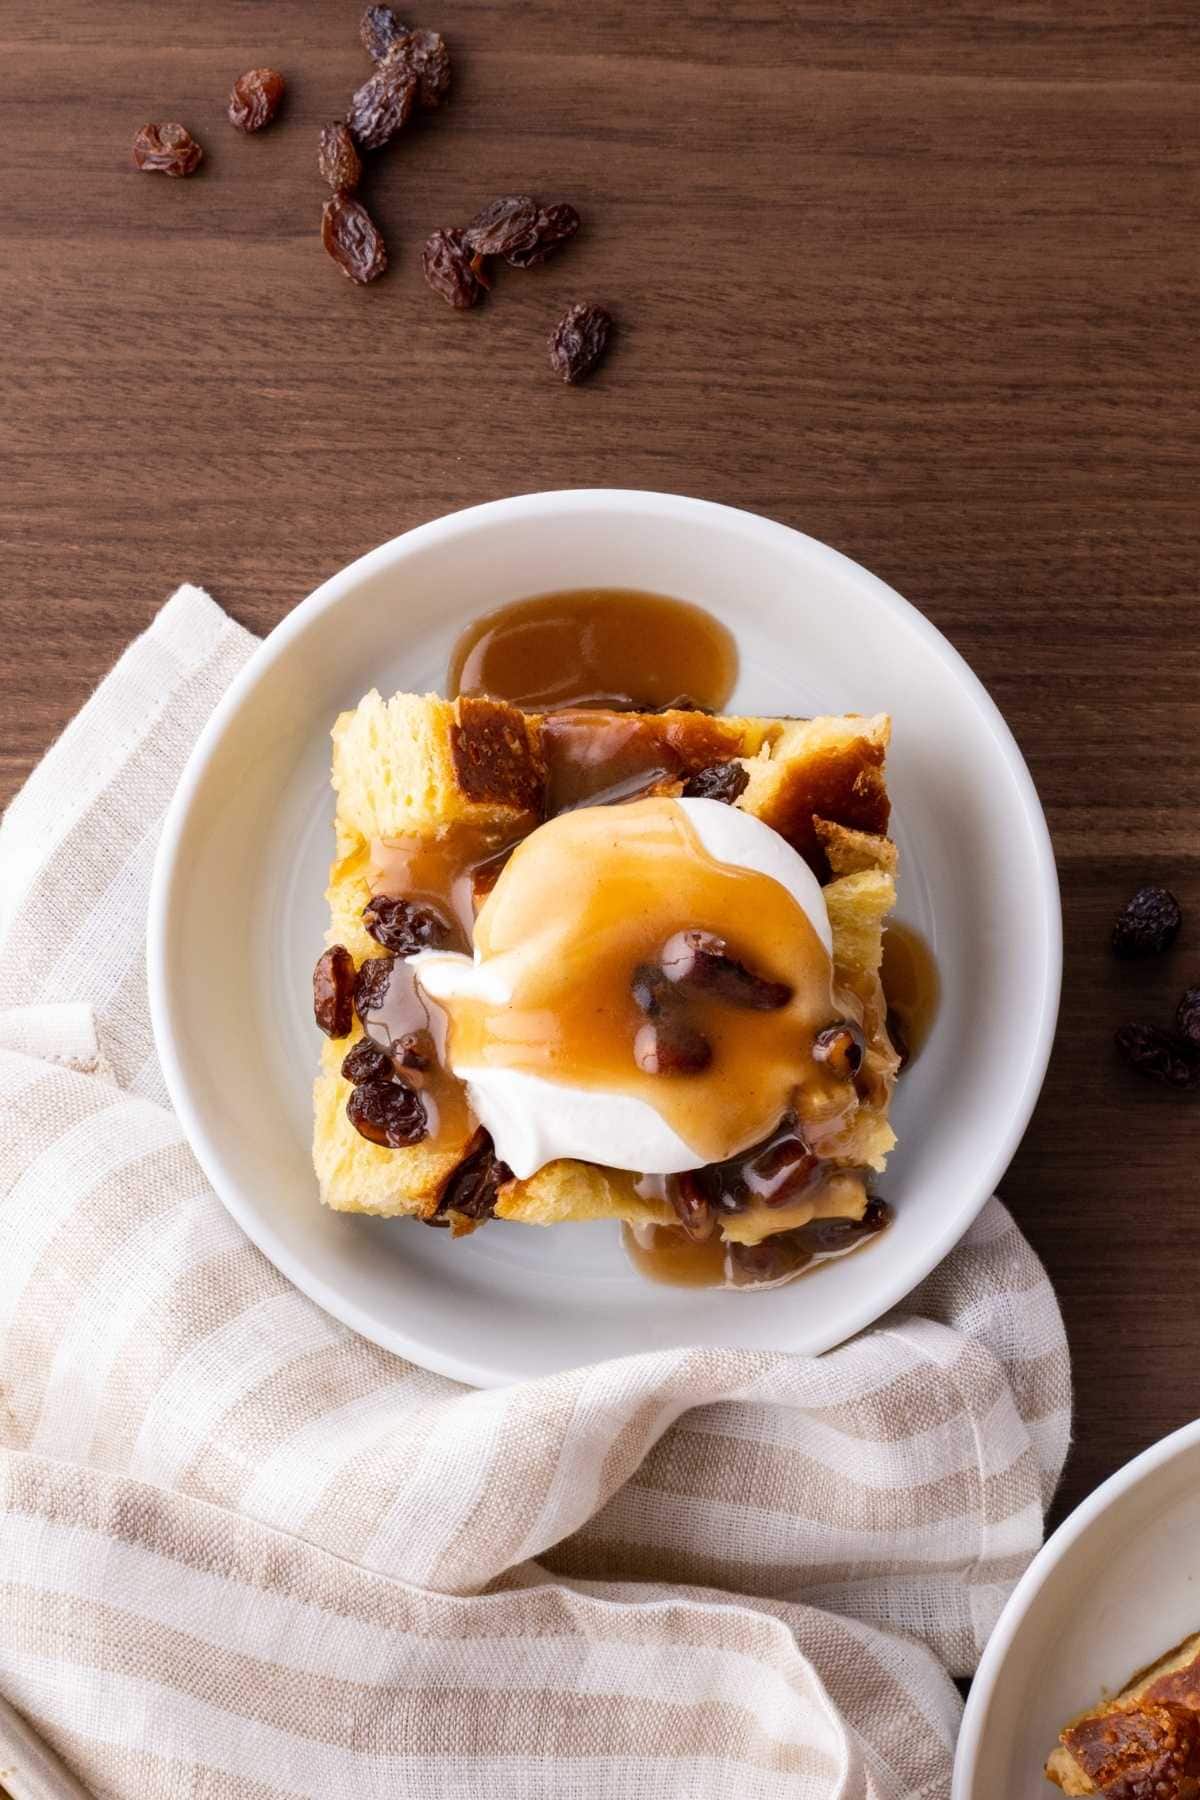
(245,1554)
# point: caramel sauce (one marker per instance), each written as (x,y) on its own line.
(594,758)
(453,873)
(621,883)
(406,1014)
(665,1254)
(910,984)
(608,647)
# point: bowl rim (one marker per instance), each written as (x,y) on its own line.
(1004,1633)
(1045,912)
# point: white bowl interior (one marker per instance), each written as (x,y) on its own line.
(1115,1588)
(238,916)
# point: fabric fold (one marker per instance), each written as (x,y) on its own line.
(247,1553)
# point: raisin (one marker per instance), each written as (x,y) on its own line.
(555,224)
(503,226)
(471,1189)
(701,960)
(829,1237)
(719,781)
(670,1046)
(366,1062)
(255,99)
(451,270)
(167,149)
(692,1209)
(379,29)
(652,990)
(333,992)
(370,990)
(1187,1016)
(337,158)
(579,340)
(840,1047)
(1148,923)
(352,238)
(382,105)
(774,1259)
(771,1171)
(388,1112)
(1159,1055)
(404,926)
(424,56)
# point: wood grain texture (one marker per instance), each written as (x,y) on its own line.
(921,279)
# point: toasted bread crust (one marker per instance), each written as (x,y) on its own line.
(1125,1734)
(427,768)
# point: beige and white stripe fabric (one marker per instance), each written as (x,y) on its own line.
(245,1554)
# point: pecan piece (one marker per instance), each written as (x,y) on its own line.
(701,961)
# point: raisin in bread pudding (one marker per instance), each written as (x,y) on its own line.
(457,814)
(1143,1741)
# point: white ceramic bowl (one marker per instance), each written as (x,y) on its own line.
(238,915)
(1116,1587)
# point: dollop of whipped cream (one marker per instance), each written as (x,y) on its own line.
(532,1118)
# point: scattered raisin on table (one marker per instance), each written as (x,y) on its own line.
(388,1112)
(372,984)
(1147,924)
(333,991)
(255,99)
(720,781)
(423,54)
(382,105)
(365,1062)
(503,225)
(403,925)
(167,149)
(840,1047)
(451,270)
(579,340)
(379,28)
(1160,1055)
(353,239)
(337,158)
(472,1188)
(1187,1016)
(555,225)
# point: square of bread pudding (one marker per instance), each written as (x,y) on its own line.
(595,964)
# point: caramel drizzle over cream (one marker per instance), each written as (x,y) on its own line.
(590,897)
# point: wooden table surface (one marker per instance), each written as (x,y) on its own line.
(920,279)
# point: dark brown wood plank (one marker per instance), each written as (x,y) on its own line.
(922,280)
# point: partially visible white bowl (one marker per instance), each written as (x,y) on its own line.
(237,918)
(1116,1586)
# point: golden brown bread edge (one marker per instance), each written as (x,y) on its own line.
(1135,1735)
(419,766)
